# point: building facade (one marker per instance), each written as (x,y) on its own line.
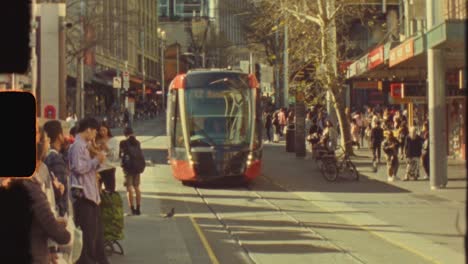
(118,36)
(397,69)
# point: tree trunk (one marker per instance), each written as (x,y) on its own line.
(346,140)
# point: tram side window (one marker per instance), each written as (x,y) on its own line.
(178,135)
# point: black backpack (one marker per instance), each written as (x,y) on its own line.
(133,161)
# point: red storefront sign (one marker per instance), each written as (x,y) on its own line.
(401,53)
(395,90)
(367,85)
(344,65)
(375,57)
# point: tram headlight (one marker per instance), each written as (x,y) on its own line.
(250,157)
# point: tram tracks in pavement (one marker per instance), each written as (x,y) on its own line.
(296,221)
(225,226)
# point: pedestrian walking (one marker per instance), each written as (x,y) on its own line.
(413,154)
(133,164)
(425,156)
(85,192)
(308,122)
(390,148)
(376,138)
(355,133)
(329,136)
(402,135)
(71,119)
(282,120)
(276,128)
(126,118)
(268,125)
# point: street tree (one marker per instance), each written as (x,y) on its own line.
(98,27)
(319,39)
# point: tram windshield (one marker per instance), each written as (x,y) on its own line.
(220,113)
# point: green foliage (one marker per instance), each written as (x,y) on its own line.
(112,216)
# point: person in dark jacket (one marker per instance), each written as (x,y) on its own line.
(425,155)
(268,125)
(390,148)
(57,164)
(413,151)
(132,181)
(402,135)
(377,136)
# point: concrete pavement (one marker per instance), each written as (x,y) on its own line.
(291,215)
(409,215)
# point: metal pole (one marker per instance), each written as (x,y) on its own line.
(143,62)
(126,89)
(251,67)
(33,49)
(81,90)
(163,85)
(437,109)
(177,55)
(407,21)
(286,65)
(203,59)
(277,68)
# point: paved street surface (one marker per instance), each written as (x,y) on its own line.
(292,215)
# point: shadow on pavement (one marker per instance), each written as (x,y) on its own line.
(157,156)
(374,228)
(254,230)
(285,169)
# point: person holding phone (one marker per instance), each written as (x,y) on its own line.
(83,168)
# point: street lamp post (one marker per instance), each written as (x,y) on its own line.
(162,39)
(142,41)
(79,104)
(33,48)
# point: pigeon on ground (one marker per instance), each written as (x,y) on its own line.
(170,213)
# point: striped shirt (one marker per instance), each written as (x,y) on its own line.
(83,169)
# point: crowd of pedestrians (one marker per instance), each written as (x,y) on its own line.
(380,129)
(55,215)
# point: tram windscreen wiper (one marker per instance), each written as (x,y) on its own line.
(219,81)
(206,136)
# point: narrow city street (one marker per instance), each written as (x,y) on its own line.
(290,215)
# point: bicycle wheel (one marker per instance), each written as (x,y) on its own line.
(350,171)
(329,170)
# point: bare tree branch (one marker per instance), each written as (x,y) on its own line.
(301,16)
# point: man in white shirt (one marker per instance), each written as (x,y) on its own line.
(71,120)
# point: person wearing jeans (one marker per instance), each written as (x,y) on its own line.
(85,191)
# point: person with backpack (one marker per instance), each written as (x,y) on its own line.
(133,164)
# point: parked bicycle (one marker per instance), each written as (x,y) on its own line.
(333,166)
